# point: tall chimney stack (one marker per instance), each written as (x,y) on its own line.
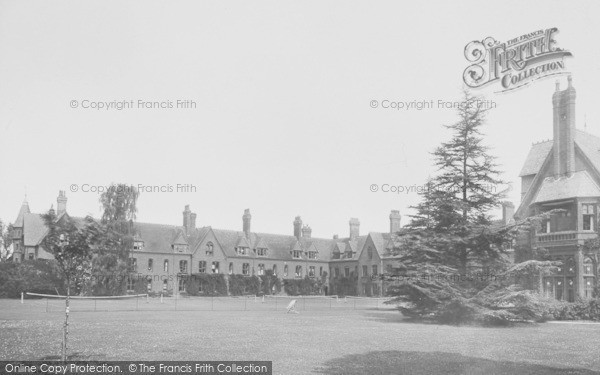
(297,227)
(306,231)
(354,228)
(563,105)
(187,218)
(395,221)
(247,219)
(192,221)
(61,203)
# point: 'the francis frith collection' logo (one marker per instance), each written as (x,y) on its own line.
(514,63)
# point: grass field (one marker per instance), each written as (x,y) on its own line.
(322,340)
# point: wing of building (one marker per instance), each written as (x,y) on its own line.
(564,173)
(162,254)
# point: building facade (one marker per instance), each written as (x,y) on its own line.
(564,174)
(165,254)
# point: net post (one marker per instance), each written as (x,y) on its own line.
(137,302)
(161,297)
(22,298)
(304,303)
(95,299)
(147,298)
(46,304)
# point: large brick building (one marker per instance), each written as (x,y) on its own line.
(564,173)
(162,254)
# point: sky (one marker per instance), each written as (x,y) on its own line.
(282,120)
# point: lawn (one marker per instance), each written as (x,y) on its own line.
(338,339)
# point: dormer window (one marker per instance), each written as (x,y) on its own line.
(241,250)
(210,249)
(312,255)
(261,252)
(138,245)
(296,254)
(179,248)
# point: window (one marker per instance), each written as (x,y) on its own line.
(149,283)
(311,271)
(321,271)
(336,272)
(588,286)
(138,245)
(150,264)
(274,270)
(261,252)
(375,270)
(312,255)
(31,256)
(588,266)
(202,266)
(261,269)
(365,271)
(179,248)
(297,254)
(347,271)
(241,250)
(285,270)
(209,249)
(130,284)
(165,285)
(181,286)
(215,267)
(166,265)
(298,273)
(246,269)
(231,268)
(588,216)
(370,253)
(183,266)
(132,265)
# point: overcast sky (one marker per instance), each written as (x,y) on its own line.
(283,122)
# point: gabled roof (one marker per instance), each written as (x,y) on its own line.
(22,211)
(579,184)
(242,242)
(535,158)
(158,238)
(588,143)
(261,244)
(34,229)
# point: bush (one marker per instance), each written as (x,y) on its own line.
(303,287)
(240,285)
(34,276)
(578,310)
(344,286)
(269,283)
(206,285)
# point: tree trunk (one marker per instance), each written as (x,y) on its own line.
(66,325)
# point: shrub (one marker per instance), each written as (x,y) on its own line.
(240,285)
(303,287)
(34,276)
(344,286)
(206,285)
(269,283)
